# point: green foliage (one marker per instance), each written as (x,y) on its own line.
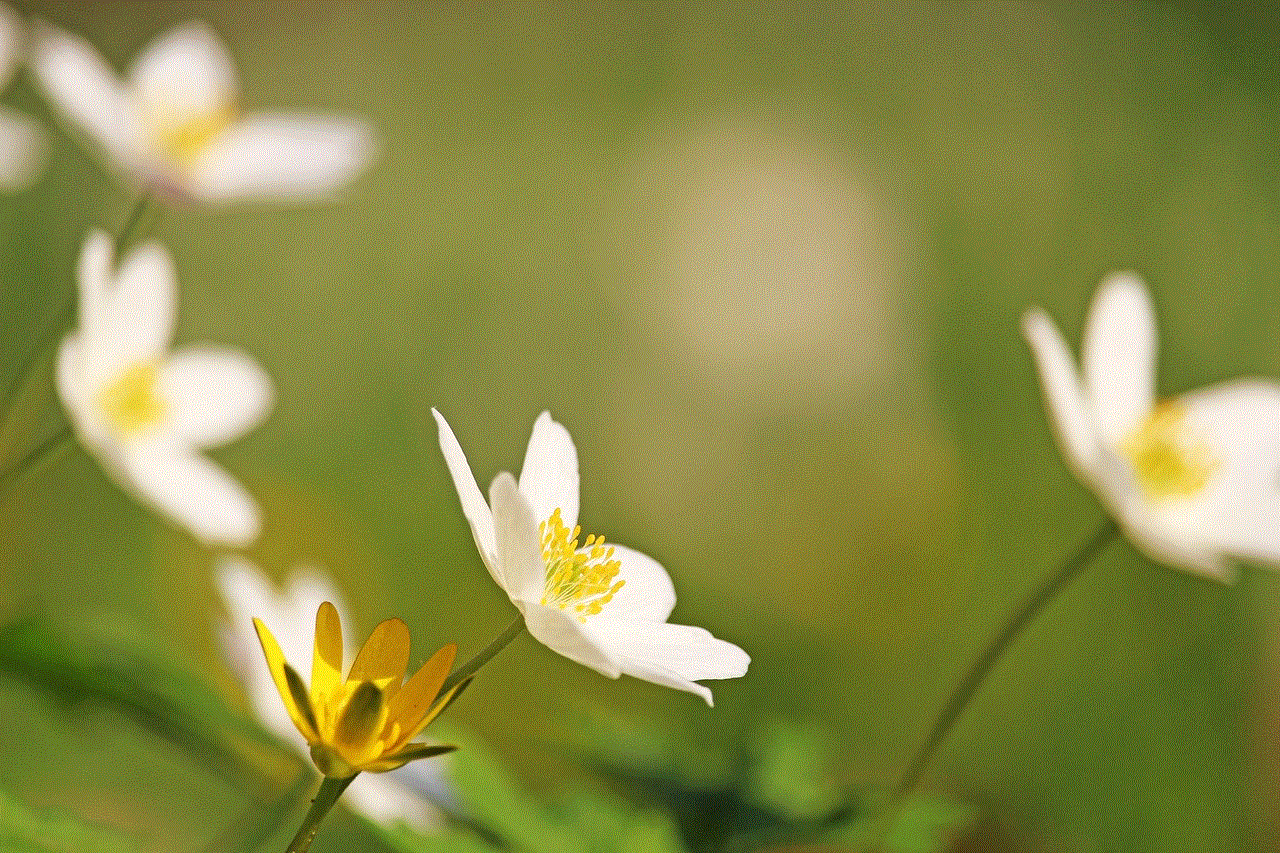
(29,831)
(138,678)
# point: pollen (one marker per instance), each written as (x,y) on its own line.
(131,403)
(580,580)
(1167,461)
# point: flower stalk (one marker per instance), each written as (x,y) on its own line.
(471,667)
(991,655)
(330,789)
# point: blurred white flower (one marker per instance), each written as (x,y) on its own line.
(405,794)
(1193,479)
(146,412)
(22,142)
(174,125)
(604,606)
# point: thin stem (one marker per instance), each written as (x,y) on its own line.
(43,341)
(130,230)
(485,655)
(330,790)
(982,667)
(40,453)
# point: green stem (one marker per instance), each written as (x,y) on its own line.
(982,667)
(130,231)
(485,655)
(330,790)
(40,453)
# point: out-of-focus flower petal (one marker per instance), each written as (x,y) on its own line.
(283,157)
(1119,356)
(194,491)
(214,394)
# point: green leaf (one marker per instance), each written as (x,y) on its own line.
(791,772)
(145,682)
(30,831)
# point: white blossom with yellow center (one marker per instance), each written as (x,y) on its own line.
(174,126)
(1193,480)
(146,412)
(602,605)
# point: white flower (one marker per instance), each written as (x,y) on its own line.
(405,794)
(1193,479)
(174,124)
(22,142)
(146,412)
(604,606)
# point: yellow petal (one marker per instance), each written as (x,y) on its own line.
(360,722)
(326,660)
(410,705)
(277,665)
(385,655)
(445,701)
(411,753)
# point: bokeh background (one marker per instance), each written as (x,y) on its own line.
(767,264)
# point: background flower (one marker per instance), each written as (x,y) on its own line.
(174,124)
(145,412)
(1192,479)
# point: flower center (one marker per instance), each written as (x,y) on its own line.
(185,136)
(1168,462)
(580,580)
(131,403)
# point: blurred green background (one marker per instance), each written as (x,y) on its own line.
(766,264)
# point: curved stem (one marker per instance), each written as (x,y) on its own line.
(36,455)
(985,661)
(330,790)
(485,655)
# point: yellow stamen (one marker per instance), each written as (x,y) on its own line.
(1168,462)
(131,403)
(580,581)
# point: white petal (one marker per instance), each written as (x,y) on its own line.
(1239,510)
(186,72)
(22,150)
(565,635)
(1068,410)
(473,505)
(247,594)
(384,799)
(647,592)
(283,157)
(214,394)
(137,318)
(194,492)
(83,86)
(93,274)
(671,655)
(1119,356)
(1177,545)
(13,35)
(519,547)
(549,477)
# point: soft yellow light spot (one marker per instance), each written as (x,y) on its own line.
(131,403)
(1168,462)
(579,581)
(185,139)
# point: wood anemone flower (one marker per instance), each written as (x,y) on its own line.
(365,722)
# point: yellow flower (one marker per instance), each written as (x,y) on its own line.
(365,722)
